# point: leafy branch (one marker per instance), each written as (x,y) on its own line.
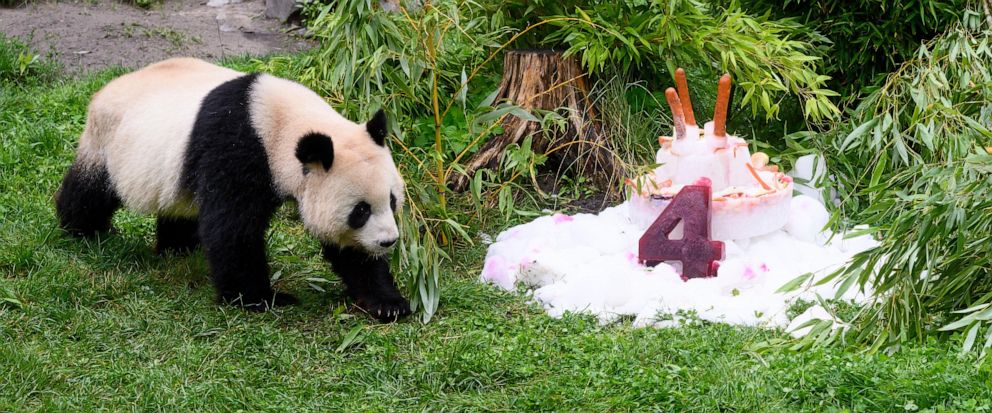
(765,56)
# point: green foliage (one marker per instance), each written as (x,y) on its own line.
(769,59)
(370,58)
(867,39)
(913,164)
(935,223)
(932,111)
(20,65)
(633,116)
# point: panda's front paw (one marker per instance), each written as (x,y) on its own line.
(385,309)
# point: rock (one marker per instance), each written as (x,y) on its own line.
(221,3)
(233,21)
(280,9)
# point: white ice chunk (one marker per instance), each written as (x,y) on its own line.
(807,218)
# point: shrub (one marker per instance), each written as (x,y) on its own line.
(914,164)
(868,38)
(771,60)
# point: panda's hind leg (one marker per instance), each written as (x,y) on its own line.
(86,201)
(176,235)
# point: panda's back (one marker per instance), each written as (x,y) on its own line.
(140,125)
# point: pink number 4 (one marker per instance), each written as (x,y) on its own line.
(699,255)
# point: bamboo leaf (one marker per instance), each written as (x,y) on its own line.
(794,283)
(972,309)
(354,337)
(876,174)
(846,285)
(962,322)
(969,340)
(857,133)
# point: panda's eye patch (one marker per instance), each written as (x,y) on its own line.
(392,202)
(359,215)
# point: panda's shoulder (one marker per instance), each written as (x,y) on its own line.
(285,92)
(281,106)
(233,92)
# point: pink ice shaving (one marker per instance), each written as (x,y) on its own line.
(497,271)
(632,258)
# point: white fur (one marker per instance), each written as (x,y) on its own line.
(139,126)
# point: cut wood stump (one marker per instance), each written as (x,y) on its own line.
(544,79)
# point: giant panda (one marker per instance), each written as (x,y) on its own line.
(213,152)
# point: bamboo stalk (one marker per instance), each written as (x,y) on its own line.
(438,145)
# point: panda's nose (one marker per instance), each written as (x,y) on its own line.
(387,244)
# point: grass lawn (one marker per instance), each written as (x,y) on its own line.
(107,325)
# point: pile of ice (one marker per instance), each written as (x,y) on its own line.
(588,264)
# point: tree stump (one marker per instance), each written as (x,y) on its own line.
(544,79)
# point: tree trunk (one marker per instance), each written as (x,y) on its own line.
(987,5)
(544,79)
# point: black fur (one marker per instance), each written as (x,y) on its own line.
(377,127)
(392,202)
(359,215)
(368,281)
(176,235)
(315,147)
(227,171)
(86,201)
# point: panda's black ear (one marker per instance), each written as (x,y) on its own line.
(377,128)
(315,148)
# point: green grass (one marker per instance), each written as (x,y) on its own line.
(107,325)
(19,64)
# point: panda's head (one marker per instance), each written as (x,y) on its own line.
(351,189)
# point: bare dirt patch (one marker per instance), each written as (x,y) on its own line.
(96,34)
